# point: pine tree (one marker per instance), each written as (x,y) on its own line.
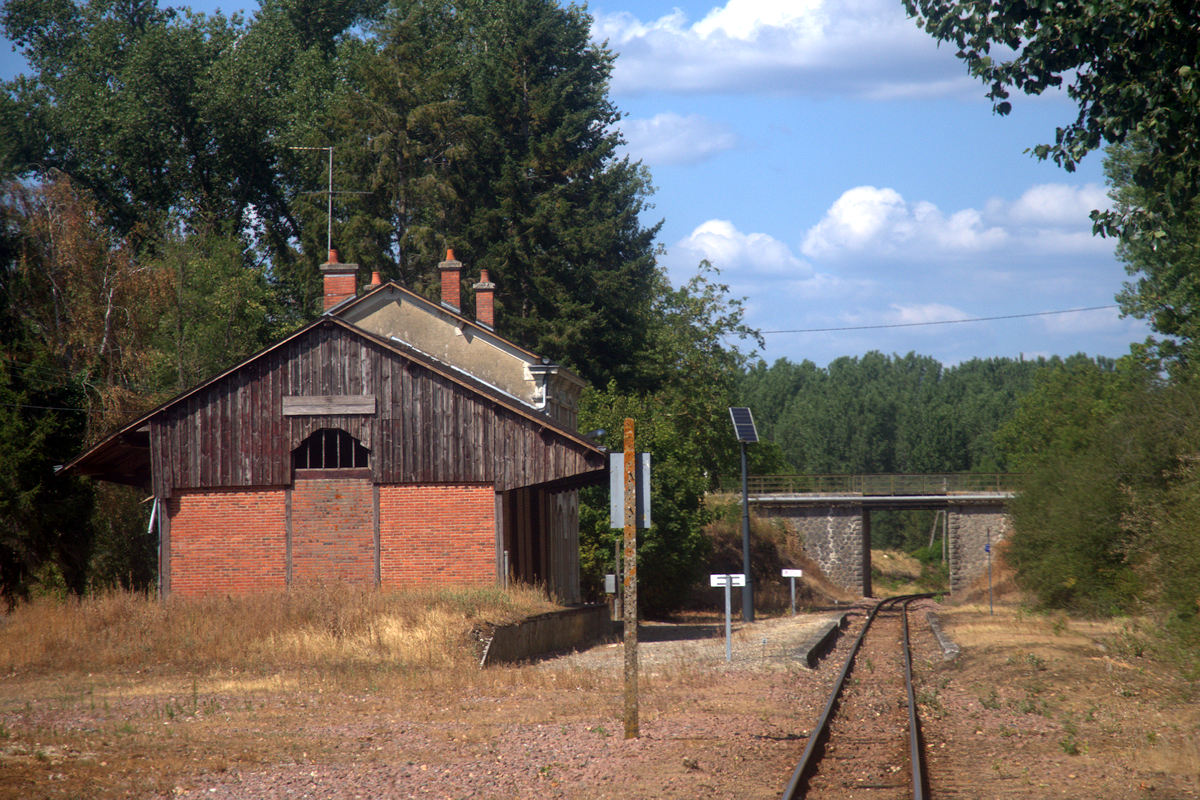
(404,144)
(554,213)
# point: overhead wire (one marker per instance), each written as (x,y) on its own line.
(942,321)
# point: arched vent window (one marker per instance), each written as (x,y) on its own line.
(329,448)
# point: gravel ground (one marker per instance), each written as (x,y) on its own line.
(1034,707)
(764,644)
(721,736)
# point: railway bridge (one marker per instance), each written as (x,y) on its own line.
(831,516)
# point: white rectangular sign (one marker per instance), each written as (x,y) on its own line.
(793,573)
(723,580)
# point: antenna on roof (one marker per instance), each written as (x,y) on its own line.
(329,193)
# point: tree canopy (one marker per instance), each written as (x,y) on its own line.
(880,413)
(694,352)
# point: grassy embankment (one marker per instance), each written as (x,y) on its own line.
(333,628)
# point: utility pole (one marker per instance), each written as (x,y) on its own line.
(630,584)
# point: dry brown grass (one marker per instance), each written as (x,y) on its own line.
(341,680)
(1077,701)
(324,627)
(896,564)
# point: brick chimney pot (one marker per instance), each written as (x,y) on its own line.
(485,304)
(451,270)
(339,281)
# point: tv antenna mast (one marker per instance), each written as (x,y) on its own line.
(329,193)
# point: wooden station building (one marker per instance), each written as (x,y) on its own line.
(390,442)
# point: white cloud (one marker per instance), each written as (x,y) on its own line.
(747,19)
(923,313)
(870,219)
(865,47)
(727,248)
(674,139)
(873,222)
(1101,320)
(1054,218)
(1055,204)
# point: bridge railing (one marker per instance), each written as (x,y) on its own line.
(883,484)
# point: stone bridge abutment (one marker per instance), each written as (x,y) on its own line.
(837,536)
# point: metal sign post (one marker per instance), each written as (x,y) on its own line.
(728,580)
(793,574)
(987,548)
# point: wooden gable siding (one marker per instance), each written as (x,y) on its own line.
(428,428)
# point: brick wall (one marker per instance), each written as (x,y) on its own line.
(235,542)
(227,541)
(333,531)
(443,533)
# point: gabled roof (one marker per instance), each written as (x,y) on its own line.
(124,456)
(379,295)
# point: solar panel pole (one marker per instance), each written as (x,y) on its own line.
(748,591)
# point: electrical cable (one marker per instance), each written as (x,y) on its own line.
(942,321)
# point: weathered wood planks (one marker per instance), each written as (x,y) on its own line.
(420,425)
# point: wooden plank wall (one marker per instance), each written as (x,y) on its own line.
(427,428)
(541,533)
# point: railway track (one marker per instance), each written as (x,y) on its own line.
(867,741)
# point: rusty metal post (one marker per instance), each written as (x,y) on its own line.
(630,585)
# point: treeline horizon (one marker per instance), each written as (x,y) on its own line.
(880,413)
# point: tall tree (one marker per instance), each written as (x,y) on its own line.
(878,413)
(694,342)
(554,217)
(406,142)
(1090,438)
(218,310)
(75,307)
(180,121)
(79,300)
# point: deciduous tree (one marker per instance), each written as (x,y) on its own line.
(694,343)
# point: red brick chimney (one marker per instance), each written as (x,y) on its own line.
(339,280)
(485,307)
(451,270)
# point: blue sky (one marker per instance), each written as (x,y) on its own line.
(841,170)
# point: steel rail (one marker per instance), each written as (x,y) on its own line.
(916,753)
(820,733)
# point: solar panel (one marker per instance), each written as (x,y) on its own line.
(743,424)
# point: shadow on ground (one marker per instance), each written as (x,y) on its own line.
(661,632)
